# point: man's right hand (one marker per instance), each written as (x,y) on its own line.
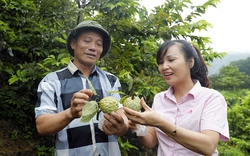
(78,101)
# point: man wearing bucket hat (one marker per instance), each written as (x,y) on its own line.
(63,93)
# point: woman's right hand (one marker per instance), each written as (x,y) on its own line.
(149,117)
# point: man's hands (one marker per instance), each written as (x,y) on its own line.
(113,123)
(78,100)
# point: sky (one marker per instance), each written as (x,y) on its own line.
(230,20)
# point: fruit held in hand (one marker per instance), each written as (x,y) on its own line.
(108,104)
(132,102)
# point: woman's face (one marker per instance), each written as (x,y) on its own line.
(173,66)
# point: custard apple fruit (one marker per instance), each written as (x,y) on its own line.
(132,102)
(108,104)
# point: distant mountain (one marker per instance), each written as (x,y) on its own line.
(231,56)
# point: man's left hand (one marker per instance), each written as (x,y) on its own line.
(113,123)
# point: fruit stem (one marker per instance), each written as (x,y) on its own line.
(97,115)
(133,96)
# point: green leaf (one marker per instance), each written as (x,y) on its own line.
(18,73)
(13,79)
(92,87)
(65,60)
(123,98)
(89,110)
(116,91)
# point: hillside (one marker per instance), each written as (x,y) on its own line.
(231,56)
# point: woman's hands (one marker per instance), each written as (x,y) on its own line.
(149,117)
(137,120)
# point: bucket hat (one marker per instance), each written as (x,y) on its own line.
(94,26)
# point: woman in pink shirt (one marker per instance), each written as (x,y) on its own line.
(189,118)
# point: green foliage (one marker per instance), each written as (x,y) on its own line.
(36,32)
(239,125)
(231,81)
(14,135)
(53,63)
(15,104)
(27,73)
(234,147)
(28,131)
(234,97)
(239,117)
(135,43)
(229,78)
(243,65)
(44,151)
(125,146)
(228,149)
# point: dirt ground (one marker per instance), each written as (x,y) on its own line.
(13,142)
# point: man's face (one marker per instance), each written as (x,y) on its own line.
(87,48)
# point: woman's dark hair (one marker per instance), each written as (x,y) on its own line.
(199,70)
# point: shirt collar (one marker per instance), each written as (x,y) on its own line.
(194,91)
(73,69)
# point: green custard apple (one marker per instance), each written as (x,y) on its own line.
(132,102)
(108,104)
